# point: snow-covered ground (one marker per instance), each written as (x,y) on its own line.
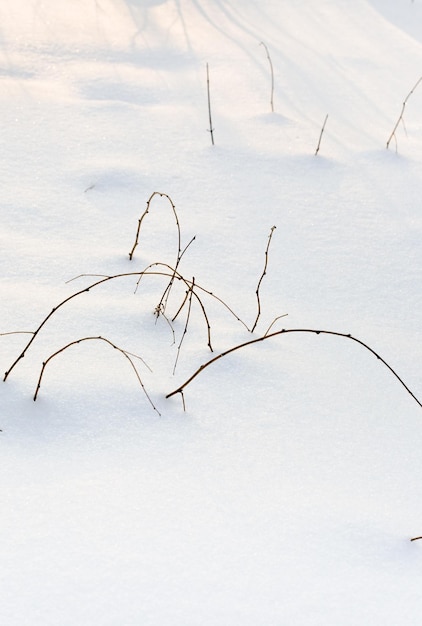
(288,490)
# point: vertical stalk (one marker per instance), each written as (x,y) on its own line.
(272,76)
(320,135)
(211,129)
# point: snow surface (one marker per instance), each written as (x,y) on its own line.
(288,491)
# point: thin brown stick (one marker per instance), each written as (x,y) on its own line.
(285,332)
(211,129)
(17,332)
(320,135)
(415,538)
(272,76)
(262,276)
(274,321)
(400,118)
(176,315)
(185,330)
(127,355)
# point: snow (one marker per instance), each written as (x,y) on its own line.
(288,490)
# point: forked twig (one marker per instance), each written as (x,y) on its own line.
(400,119)
(128,355)
(262,276)
(285,332)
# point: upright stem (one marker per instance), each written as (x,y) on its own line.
(400,119)
(211,129)
(320,135)
(272,76)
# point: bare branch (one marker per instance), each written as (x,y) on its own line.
(285,332)
(262,276)
(320,135)
(17,332)
(185,330)
(127,355)
(273,322)
(272,76)
(401,119)
(161,307)
(211,129)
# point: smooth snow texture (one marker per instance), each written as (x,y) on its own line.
(289,489)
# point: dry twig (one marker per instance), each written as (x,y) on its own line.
(320,135)
(128,355)
(262,276)
(211,129)
(285,332)
(185,330)
(400,119)
(272,76)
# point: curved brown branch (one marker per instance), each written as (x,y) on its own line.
(180,253)
(162,195)
(127,355)
(62,303)
(274,321)
(285,332)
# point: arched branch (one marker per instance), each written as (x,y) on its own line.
(128,355)
(285,332)
(162,304)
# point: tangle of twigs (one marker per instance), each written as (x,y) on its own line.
(168,271)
